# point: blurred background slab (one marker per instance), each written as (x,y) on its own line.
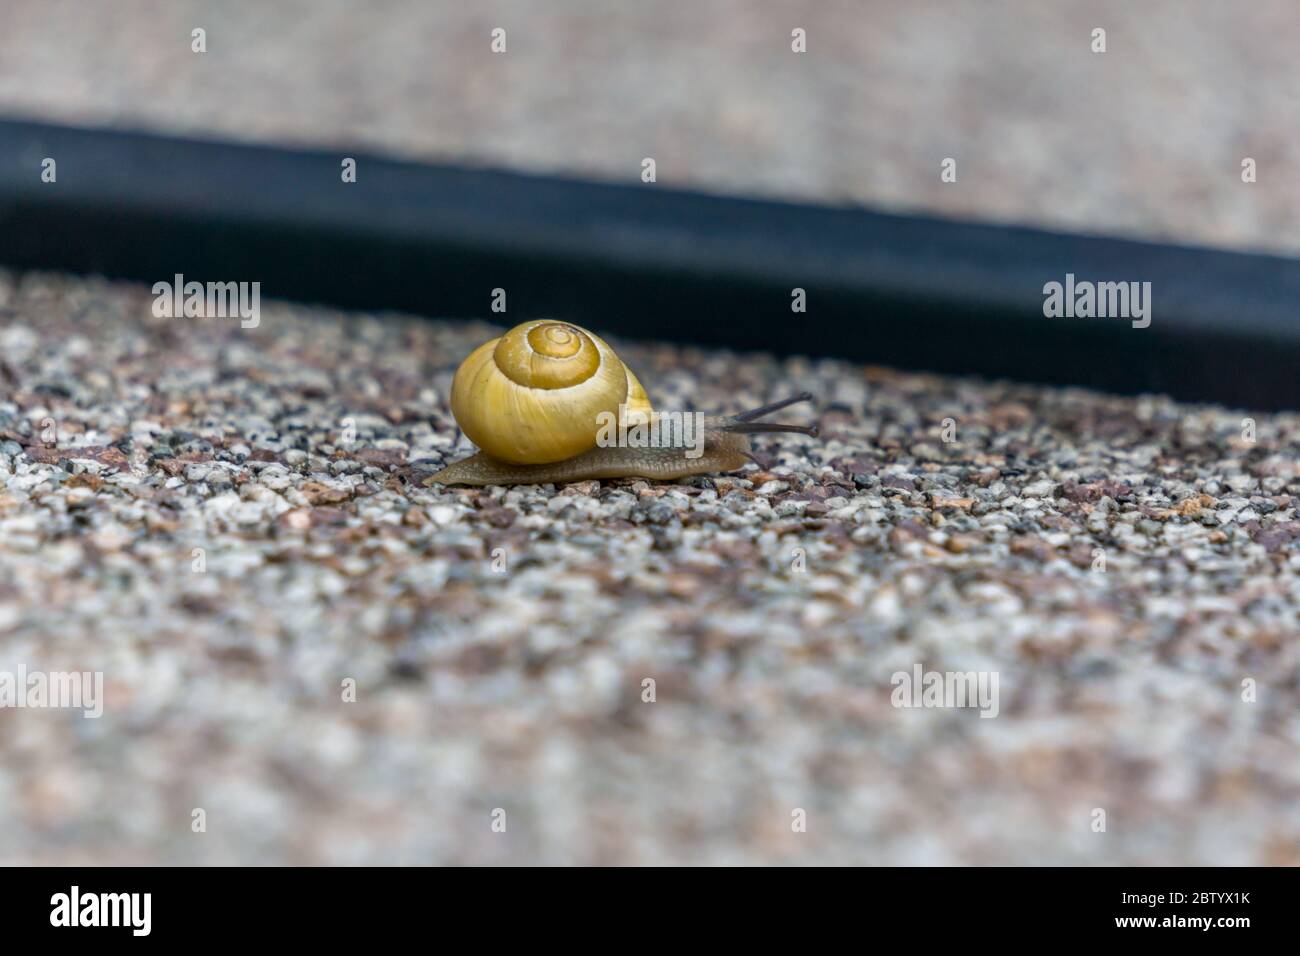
(1146,139)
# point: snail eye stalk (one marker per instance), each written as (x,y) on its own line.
(745,423)
(762,410)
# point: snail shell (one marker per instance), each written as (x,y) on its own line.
(533,395)
(532,400)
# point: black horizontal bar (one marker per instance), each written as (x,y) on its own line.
(644,260)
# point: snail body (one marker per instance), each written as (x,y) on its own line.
(534,401)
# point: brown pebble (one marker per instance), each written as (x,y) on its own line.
(319,494)
(86,480)
(961,543)
(499,517)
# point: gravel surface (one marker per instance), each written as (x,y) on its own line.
(499,639)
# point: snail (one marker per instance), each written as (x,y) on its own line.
(535,402)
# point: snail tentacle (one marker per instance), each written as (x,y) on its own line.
(762,410)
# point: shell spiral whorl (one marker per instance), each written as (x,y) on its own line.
(547,355)
(533,395)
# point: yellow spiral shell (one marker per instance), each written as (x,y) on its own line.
(533,395)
